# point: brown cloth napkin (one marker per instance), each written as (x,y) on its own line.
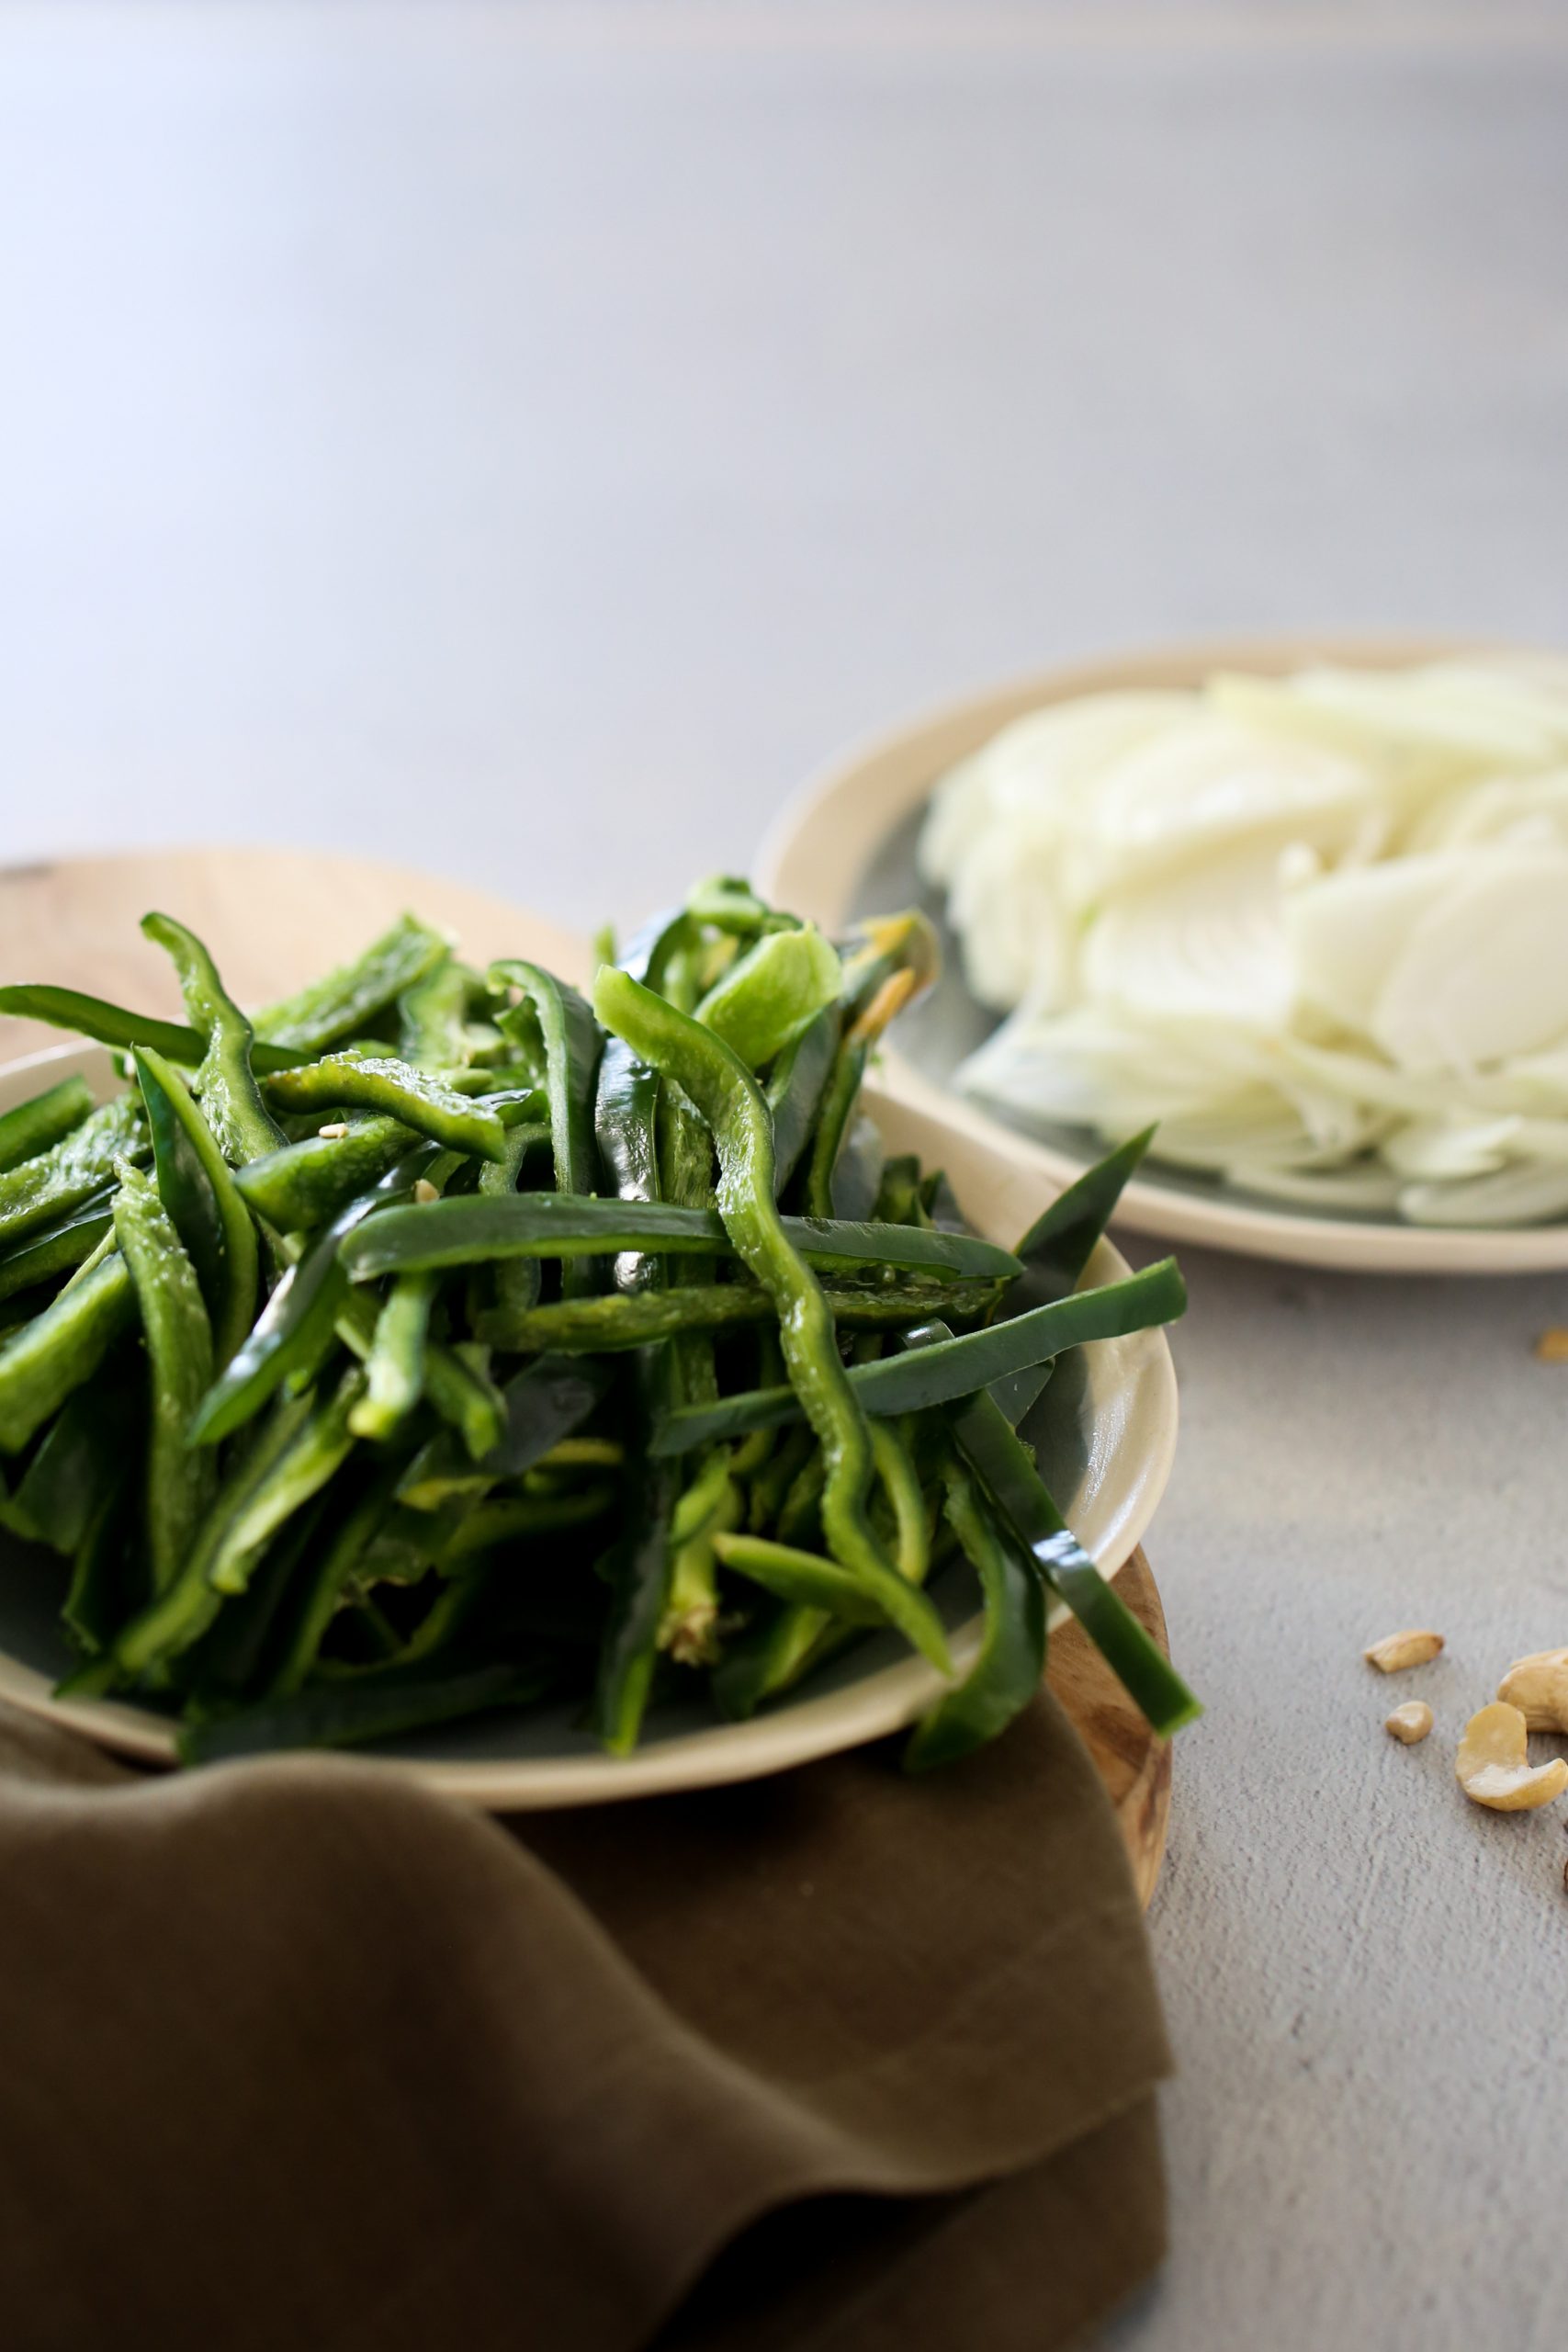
(293,2055)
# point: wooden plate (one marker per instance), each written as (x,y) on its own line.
(275,918)
(845,846)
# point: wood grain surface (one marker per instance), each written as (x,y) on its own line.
(275,919)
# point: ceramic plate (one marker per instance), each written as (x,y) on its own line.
(846,847)
(1106,1431)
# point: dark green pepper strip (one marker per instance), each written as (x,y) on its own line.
(1010,1663)
(32,1126)
(331,1573)
(380,1082)
(958,1367)
(113,1025)
(180,1479)
(1027,1509)
(300,1317)
(803,1578)
(841,1094)
(516,1284)
(95,1602)
(43,1362)
(640,1320)
(395,1366)
(200,1191)
(1059,1245)
(307,1183)
(771,994)
(572,1045)
(639,1568)
(83,1459)
(225,1081)
(544,1403)
(728,1098)
(383,1703)
(56,1248)
(347,1001)
(794,1093)
(71,1171)
(472,1230)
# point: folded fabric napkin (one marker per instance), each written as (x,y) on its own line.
(297,2055)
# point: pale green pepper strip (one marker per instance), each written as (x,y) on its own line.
(431,1024)
(772,993)
(395,1366)
(225,1082)
(1011,1662)
(803,1578)
(181,1480)
(176,1120)
(43,1362)
(347,1001)
(637,1320)
(727,1097)
(381,1082)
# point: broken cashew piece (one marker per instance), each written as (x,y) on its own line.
(1410,1722)
(1396,1651)
(1493,1766)
(1538,1686)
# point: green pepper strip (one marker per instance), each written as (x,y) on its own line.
(114,1024)
(958,1366)
(181,1480)
(727,1097)
(803,1578)
(225,1081)
(395,1366)
(32,1126)
(433,1018)
(380,1082)
(295,1454)
(1027,1509)
(794,1093)
(348,1000)
(200,1191)
(82,1459)
(380,1704)
(1054,1251)
(41,1363)
(94,1601)
(299,1319)
(516,1284)
(548,1401)
(771,994)
(571,1059)
(71,1170)
(55,1249)
(1011,1662)
(471,1229)
(307,1183)
(640,1320)
(329,1577)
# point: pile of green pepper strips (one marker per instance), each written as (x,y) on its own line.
(436,1342)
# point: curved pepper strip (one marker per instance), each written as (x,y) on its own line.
(348,1000)
(180,1479)
(71,1170)
(728,1098)
(640,1319)
(200,1191)
(32,1126)
(572,1043)
(225,1081)
(794,1093)
(771,994)
(1011,1662)
(56,1248)
(116,1024)
(381,1082)
(307,1183)
(41,1363)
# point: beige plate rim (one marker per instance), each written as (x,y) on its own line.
(826,836)
(1132,1400)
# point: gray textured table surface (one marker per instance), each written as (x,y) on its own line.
(526,441)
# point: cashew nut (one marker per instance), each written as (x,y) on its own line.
(1410,1722)
(1538,1686)
(1396,1651)
(1552,1345)
(1494,1765)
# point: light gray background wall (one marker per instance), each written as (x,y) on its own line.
(526,440)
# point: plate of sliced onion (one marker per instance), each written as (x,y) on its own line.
(1301,907)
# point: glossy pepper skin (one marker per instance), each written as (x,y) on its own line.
(200,1191)
(180,1479)
(226,1081)
(728,1099)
